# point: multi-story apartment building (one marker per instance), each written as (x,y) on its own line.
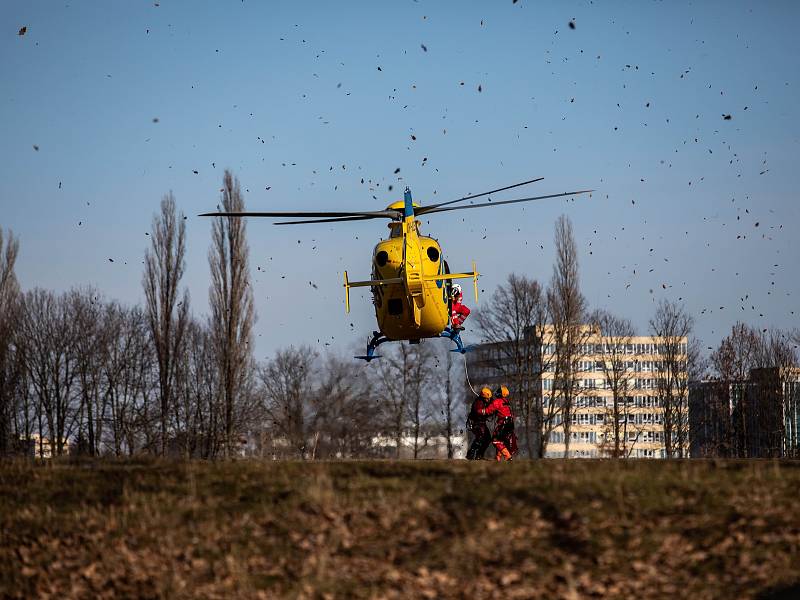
(632,368)
(757,417)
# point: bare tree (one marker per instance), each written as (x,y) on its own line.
(342,412)
(286,386)
(513,322)
(417,385)
(737,353)
(674,325)
(51,365)
(323,412)
(9,287)
(9,379)
(567,312)
(794,339)
(91,349)
(722,413)
(618,374)
(400,380)
(775,349)
(448,407)
(129,380)
(231,300)
(10,371)
(202,412)
(167,314)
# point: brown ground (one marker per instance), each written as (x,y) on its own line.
(551,529)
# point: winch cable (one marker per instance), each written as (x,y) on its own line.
(466,375)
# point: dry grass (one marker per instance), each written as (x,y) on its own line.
(579,529)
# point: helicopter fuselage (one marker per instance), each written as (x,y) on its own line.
(410,284)
(417,305)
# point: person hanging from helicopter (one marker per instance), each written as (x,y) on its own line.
(458,311)
(476,424)
(503,436)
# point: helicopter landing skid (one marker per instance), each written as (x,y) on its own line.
(377,339)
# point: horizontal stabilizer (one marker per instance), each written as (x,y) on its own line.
(348,284)
(372,282)
(448,276)
(473,275)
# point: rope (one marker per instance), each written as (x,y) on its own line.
(466,375)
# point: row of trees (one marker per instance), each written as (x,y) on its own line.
(85,373)
(111,378)
(747,348)
(116,379)
(99,377)
(339,408)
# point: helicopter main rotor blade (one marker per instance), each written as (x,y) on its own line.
(502,189)
(334,220)
(427,210)
(369,214)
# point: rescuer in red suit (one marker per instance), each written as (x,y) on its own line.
(458,311)
(476,423)
(503,437)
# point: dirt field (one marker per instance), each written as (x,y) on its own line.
(554,529)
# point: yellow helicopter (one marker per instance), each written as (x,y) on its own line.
(411,281)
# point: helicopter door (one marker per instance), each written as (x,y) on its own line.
(448,286)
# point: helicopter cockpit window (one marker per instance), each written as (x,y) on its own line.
(433,253)
(381,258)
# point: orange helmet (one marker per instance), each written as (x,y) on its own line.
(502,391)
(486,393)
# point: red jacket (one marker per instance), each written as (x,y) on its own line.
(458,314)
(477,414)
(501,406)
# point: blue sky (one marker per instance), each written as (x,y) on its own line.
(306,99)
